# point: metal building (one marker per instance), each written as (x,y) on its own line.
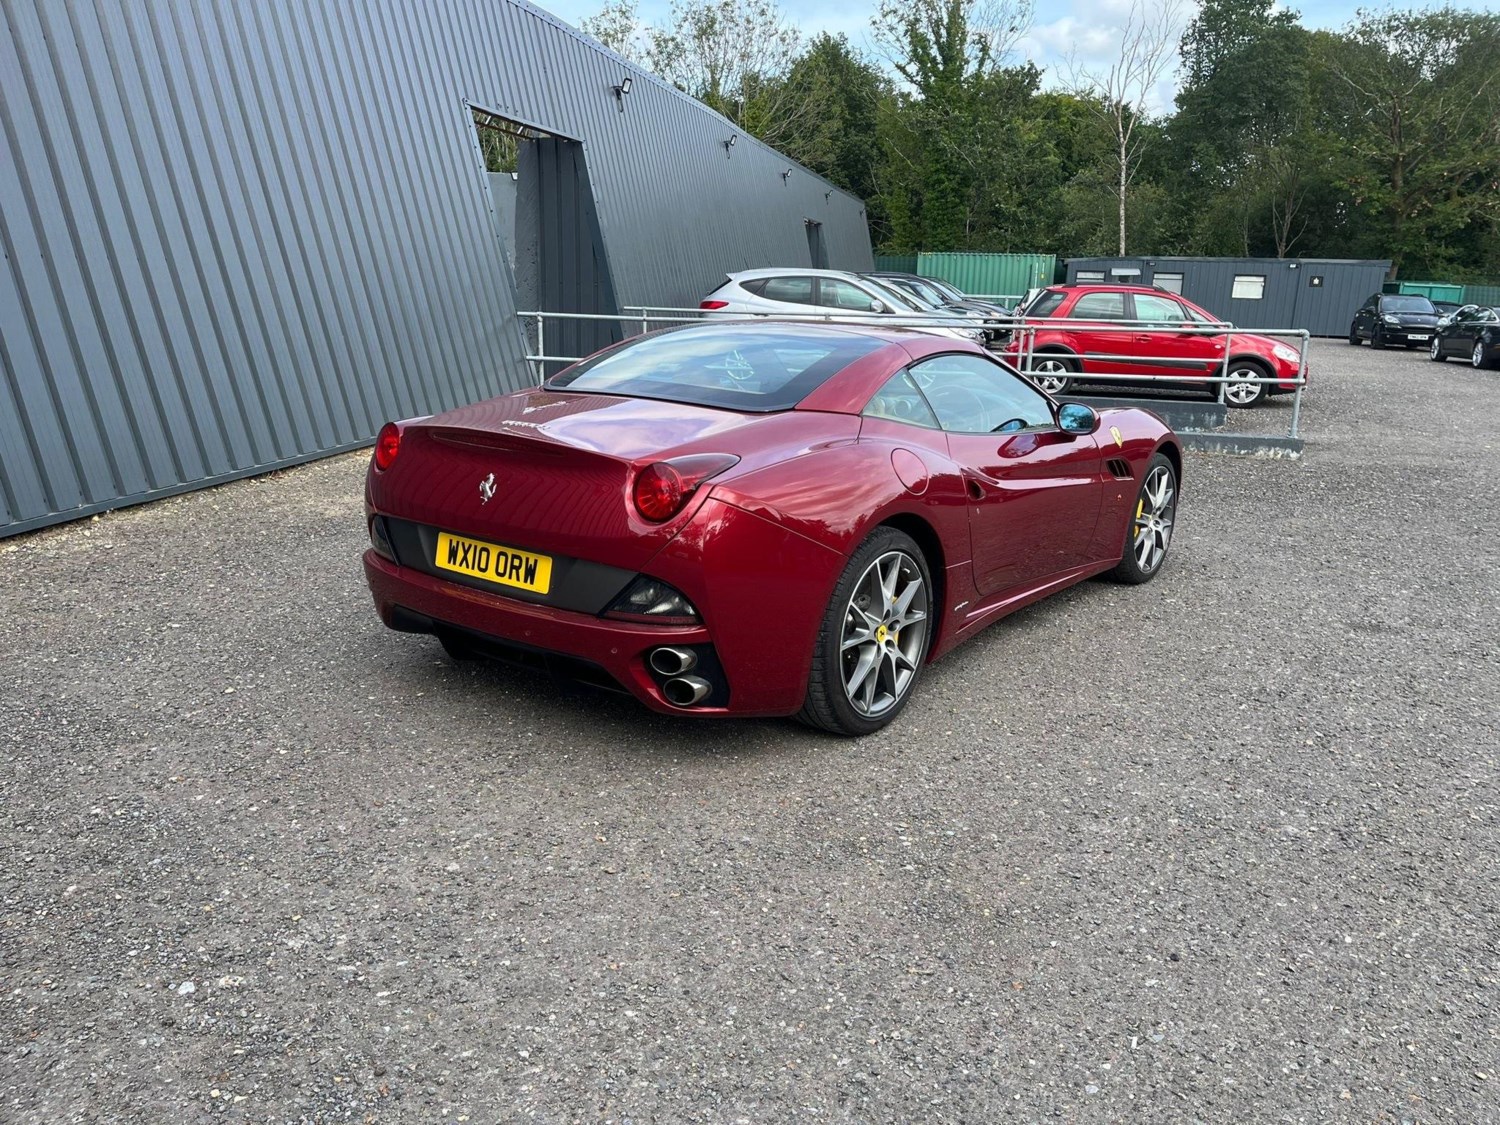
(1318,294)
(240,236)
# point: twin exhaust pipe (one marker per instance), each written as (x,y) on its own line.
(681,689)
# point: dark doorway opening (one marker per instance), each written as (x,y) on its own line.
(815,248)
(549,225)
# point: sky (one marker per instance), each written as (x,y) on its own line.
(1083,31)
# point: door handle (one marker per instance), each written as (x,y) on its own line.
(977,484)
(1143,339)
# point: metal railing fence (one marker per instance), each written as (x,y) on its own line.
(1017,344)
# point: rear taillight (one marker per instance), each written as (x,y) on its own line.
(663,487)
(713,304)
(387,445)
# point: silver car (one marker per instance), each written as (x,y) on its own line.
(828,293)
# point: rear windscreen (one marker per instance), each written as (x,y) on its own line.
(737,367)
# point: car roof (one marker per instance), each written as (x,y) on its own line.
(798,271)
(1097,287)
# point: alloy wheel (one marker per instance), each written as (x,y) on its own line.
(884,634)
(1154,513)
(1051,375)
(1435,349)
(1477,357)
(1241,392)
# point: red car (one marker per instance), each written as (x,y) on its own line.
(1153,341)
(759,518)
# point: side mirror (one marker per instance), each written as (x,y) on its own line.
(878,307)
(1076,418)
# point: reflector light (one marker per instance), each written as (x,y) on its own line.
(387,445)
(662,488)
(713,304)
(649,600)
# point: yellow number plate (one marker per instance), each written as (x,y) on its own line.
(505,565)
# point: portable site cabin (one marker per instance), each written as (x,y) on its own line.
(1318,294)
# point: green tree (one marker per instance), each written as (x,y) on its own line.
(1415,98)
(618,27)
(1121,92)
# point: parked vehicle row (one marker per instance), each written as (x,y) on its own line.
(1108,329)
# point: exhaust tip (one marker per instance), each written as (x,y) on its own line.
(669,661)
(685,691)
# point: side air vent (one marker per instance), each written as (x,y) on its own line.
(1119,468)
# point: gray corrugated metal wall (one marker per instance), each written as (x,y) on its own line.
(238,235)
(1291,299)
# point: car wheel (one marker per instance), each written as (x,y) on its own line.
(1150,531)
(1053,373)
(1238,392)
(1354,336)
(1476,357)
(1435,351)
(870,651)
(1377,337)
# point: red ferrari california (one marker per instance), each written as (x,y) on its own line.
(759,518)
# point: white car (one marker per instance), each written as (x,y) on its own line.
(805,293)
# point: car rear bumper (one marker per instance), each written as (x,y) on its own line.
(761,591)
(412,602)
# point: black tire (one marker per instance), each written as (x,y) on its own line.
(1132,569)
(1251,394)
(1377,337)
(828,705)
(1435,350)
(1052,372)
(1354,336)
(458,648)
(1476,357)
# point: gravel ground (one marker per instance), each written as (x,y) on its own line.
(1222,848)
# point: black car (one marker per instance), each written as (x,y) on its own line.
(1394,318)
(1472,334)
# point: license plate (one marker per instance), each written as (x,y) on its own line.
(1419,335)
(493,563)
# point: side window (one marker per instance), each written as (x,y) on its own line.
(1099,306)
(1090,277)
(1158,310)
(795,290)
(1248,287)
(901,401)
(842,295)
(1171,282)
(971,395)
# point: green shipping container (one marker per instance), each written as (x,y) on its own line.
(1482,295)
(1433,290)
(990,275)
(896,263)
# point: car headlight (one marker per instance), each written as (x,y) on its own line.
(1390,320)
(1286,354)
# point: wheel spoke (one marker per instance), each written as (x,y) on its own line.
(868,658)
(909,618)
